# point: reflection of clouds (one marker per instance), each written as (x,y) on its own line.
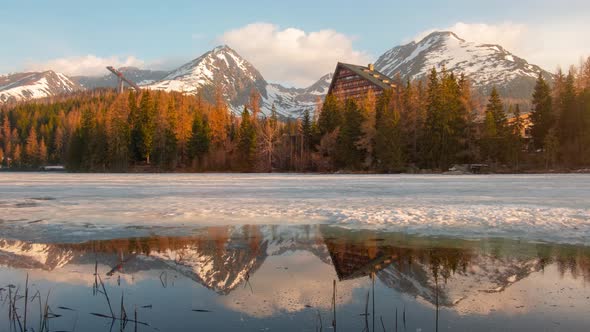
(538,292)
(276,289)
(82,275)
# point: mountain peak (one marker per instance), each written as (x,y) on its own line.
(32,85)
(223,49)
(486,65)
(441,34)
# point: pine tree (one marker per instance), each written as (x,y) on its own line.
(515,143)
(584,76)
(330,117)
(551,148)
(497,108)
(496,133)
(247,142)
(432,140)
(388,149)
(201,138)
(585,109)
(489,137)
(542,117)
(349,155)
(570,124)
(307,130)
(366,143)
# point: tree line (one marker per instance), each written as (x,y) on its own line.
(429,124)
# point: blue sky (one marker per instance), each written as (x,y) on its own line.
(166,33)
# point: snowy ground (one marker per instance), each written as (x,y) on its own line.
(553,208)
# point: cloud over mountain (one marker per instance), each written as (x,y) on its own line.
(292,55)
(90,65)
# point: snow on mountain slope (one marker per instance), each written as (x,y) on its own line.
(485,65)
(483,274)
(137,75)
(33,255)
(33,85)
(236,77)
(293,101)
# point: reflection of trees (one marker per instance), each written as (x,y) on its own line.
(572,259)
(409,263)
(420,266)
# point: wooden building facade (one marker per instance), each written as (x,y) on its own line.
(354,82)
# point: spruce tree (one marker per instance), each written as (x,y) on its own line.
(349,154)
(330,117)
(515,143)
(247,142)
(200,139)
(570,124)
(388,145)
(496,135)
(489,137)
(307,130)
(433,128)
(542,117)
(497,108)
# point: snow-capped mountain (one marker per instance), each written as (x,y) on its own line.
(139,76)
(32,85)
(236,77)
(486,65)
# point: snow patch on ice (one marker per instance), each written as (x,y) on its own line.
(552,208)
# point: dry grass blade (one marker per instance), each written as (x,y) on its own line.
(26,303)
(320,320)
(334,305)
(106,295)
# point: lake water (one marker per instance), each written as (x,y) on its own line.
(241,252)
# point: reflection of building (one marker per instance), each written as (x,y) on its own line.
(355,260)
(354,82)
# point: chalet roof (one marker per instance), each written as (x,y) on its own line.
(373,76)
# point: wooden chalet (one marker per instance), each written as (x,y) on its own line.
(354,82)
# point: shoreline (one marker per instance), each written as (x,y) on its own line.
(425,172)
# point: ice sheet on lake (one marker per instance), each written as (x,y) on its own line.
(534,207)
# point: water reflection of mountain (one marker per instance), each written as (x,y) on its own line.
(219,258)
(222,258)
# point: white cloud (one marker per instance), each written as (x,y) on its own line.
(292,55)
(90,65)
(547,44)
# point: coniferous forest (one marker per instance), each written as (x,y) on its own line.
(427,125)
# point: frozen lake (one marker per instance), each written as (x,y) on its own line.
(551,208)
(240,252)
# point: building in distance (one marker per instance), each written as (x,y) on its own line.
(354,82)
